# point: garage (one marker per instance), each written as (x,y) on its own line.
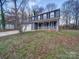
(27,27)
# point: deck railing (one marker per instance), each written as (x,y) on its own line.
(47,15)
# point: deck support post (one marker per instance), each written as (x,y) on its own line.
(57,26)
(49,25)
(53,25)
(43,26)
(33,26)
(38,25)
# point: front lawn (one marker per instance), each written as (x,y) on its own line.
(41,45)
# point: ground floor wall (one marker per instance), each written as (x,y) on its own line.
(53,25)
(7,26)
(45,25)
(41,26)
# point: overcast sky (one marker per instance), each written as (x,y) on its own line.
(45,2)
(42,3)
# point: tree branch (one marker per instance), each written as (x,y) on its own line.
(3,2)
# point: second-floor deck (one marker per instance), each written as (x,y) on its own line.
(47,16)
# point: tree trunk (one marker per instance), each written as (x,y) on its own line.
(16,16)
(2,16)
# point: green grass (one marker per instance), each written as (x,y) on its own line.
(41,45)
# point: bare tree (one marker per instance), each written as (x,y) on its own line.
(71,11)
(51,6)
(37,10)
(40,9)
(66,13)
(2,2)
(23,13)
(17,8)
(75,11)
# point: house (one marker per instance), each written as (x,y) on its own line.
(10,22)
(44,21)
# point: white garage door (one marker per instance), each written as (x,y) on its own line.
(29,27)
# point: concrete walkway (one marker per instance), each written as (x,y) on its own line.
(8,33)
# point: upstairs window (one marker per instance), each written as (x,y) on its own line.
(45,16)
(57,13)
(38,17)
(51,14)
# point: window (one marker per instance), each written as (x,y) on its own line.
(45,16)
(38,17)
(32,18)
(41,16)
(57,13)
(51,14)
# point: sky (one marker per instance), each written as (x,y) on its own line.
(45,2)
(42,3)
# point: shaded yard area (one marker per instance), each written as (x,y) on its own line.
(41,45)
